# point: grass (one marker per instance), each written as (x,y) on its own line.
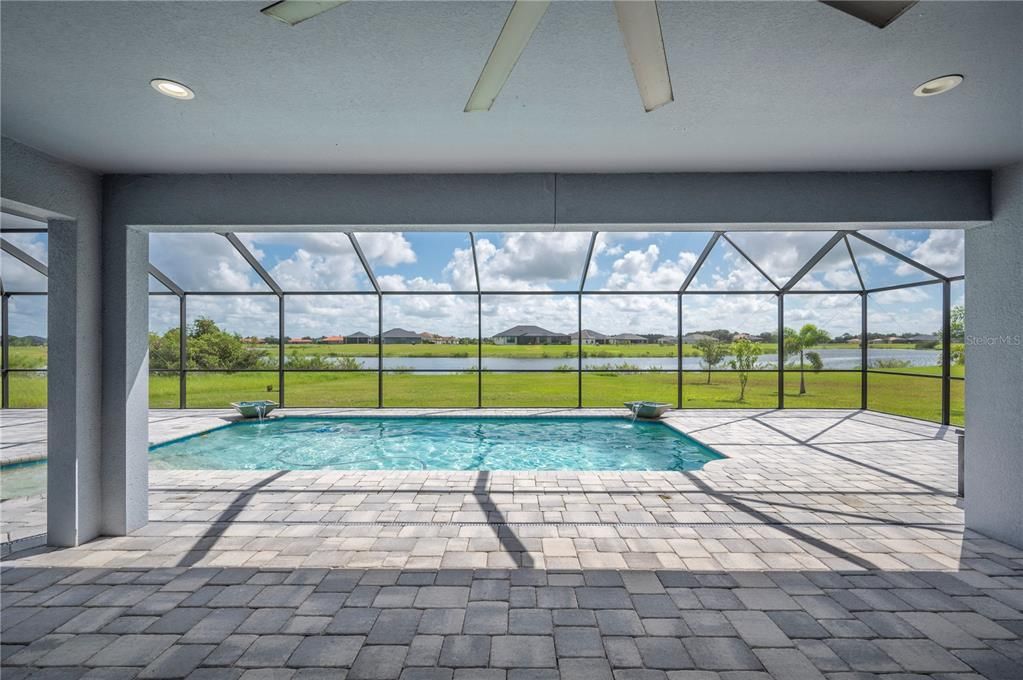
(914,396)
(27,357)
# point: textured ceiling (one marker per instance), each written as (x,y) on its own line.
(380,87)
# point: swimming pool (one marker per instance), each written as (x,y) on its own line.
(436,444)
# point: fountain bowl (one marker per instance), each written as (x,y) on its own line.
(649,410)
(254,409)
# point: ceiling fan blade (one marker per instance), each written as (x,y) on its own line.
(641,29)
(880,13)
(523,19)
(294,12)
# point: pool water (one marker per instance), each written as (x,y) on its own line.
(22,479)
(436,444)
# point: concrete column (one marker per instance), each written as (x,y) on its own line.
(994,365)
(73,386)
(125,457)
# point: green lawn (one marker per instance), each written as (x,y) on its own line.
(27,357)
(914,396)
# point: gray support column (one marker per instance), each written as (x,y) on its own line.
(4,399)
(994,363)
(946,351)
(863,351)
(781,349)
(125,406)
(74,384)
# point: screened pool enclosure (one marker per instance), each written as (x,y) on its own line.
(801,319)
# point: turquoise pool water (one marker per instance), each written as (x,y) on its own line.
(436,444)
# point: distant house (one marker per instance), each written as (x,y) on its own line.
(400,336)
(628,339)
(252,341)
(358,338)
(435,339)
(896,340)
(667,340)
(924,339)
(333,340)
(693,338)
(300,341)
(530,335)
(741,336)
(590,337)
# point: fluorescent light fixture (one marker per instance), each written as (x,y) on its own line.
(172,89)
(523,19)
(294,12)
(879,13)
(938,85)
(641,29)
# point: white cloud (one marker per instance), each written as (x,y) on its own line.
(532,260)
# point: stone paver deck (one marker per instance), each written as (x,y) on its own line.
(828,545)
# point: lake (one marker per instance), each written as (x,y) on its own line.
(833,358)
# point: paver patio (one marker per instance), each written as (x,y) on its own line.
(828,544)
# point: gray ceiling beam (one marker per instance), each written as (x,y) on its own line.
(699,262)
(20,255)
(364,261)
(812,262)
(167,282)
(253,262)
(899,256)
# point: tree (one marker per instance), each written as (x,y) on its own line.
(208,347)
(211,347)
(958,322)
(957,331)
(746,353)
(165,350)
(808,336)
(712,352)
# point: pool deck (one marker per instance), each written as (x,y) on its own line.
(828,544)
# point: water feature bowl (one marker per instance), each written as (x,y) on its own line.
(254,409)
(650,410)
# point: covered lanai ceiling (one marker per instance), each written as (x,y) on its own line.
(381,87)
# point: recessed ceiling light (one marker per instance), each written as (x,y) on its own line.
(172,89)
(938,85)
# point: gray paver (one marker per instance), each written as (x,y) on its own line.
(394,627)
(327,650)
(132,650)
(721,654)
(382,662)
(465,651)
(585,669)
(663,653)
(522,651)
(921,656)
(269,650)
(177,662)
(489,618)
(570,641)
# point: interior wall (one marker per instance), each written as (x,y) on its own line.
(994,365)
(69,199)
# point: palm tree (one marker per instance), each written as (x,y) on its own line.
(808,336)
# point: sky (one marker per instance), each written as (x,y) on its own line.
(537,262)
